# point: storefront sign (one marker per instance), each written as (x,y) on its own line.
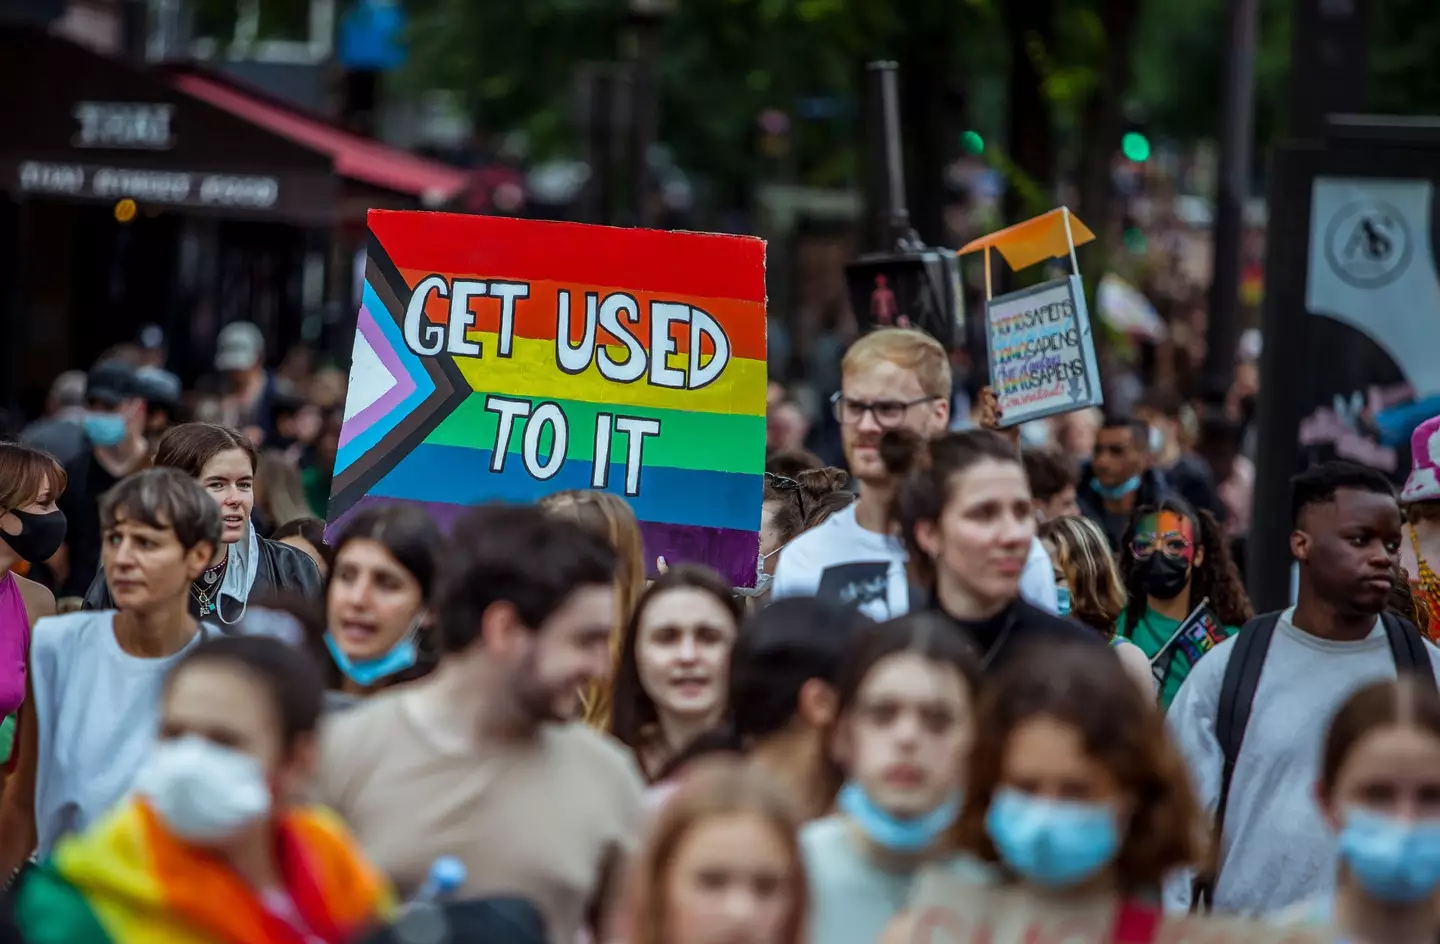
(135,125)
(177,188)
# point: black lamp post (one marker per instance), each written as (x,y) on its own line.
(646,20)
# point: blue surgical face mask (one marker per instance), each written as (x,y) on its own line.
(1113,492)
(1054,843)
(1394,860)
(1062,599)
(367,672)
(105,429)
(915,834)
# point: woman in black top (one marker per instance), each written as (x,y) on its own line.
(246,565)
(962,509)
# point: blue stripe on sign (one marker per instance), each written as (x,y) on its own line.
(458,476)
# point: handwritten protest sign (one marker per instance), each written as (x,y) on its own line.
(949,910)
(1042,354)
(501,359)
(1041,350)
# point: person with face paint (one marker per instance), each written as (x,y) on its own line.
(1119,478)
(674,665)
(903,734)
(211,846)
(1174,558)
(1379,790)
(377,618)
(32,528)
(1074,791)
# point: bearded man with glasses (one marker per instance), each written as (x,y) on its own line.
(893,378)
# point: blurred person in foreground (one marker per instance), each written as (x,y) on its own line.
(893,380)
(95,676)
(720,865)
(480,759)
(610,518)
(211,846)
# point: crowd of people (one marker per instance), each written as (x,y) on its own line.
(1021,659)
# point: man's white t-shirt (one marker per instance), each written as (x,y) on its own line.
(841,562)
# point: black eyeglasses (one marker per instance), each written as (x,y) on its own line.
(781,482)
(888,413)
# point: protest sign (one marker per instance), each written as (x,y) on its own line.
(503,360)
(1042,355)
(1040,347)
(949,910)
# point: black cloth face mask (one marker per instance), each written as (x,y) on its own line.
(40,535)
(1164,576)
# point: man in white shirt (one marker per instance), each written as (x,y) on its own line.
(893,378)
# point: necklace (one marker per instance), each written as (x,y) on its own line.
(1429,583)
(206,590)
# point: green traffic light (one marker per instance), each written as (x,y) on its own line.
(1135,146)
(972,142)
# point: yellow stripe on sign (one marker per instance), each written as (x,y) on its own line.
(532,371)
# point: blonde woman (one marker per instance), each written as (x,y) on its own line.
(610,518)
(1088,586)
(279,493)
(722,863)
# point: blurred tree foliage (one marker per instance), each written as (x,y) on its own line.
(1180,58)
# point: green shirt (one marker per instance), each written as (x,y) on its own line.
(1154,631)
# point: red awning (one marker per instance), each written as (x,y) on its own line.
(355,157)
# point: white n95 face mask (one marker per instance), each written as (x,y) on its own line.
(202,791)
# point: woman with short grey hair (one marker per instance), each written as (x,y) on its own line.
(95,676)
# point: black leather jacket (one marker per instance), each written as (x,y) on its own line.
(280,570)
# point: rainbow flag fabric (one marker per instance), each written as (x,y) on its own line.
(128,881)
(503,360)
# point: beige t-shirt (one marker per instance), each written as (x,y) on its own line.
(548,818)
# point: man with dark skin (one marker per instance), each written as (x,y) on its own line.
(1276,851)
(1347,549)
(1119,478)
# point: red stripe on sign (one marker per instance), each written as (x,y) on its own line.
(697,264)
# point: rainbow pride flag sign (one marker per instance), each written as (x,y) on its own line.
(503,360)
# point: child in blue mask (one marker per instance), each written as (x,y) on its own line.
(1380,791)
(1074,788)
(904,728)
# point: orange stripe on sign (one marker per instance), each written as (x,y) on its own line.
(536,317)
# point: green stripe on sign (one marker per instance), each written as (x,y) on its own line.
(717,442)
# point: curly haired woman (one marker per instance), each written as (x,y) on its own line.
(1173,558)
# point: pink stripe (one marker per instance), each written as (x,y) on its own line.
(404,386)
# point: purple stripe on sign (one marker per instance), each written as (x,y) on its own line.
(732,553)
(390,399)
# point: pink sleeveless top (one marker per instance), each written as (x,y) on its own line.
(14,644)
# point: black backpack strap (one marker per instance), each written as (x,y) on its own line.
(1237,697)
(1408,647)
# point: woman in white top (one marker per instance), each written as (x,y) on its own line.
(95,676)
(906,722)
(1380,791)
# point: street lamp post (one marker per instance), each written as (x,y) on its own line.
(647,20)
